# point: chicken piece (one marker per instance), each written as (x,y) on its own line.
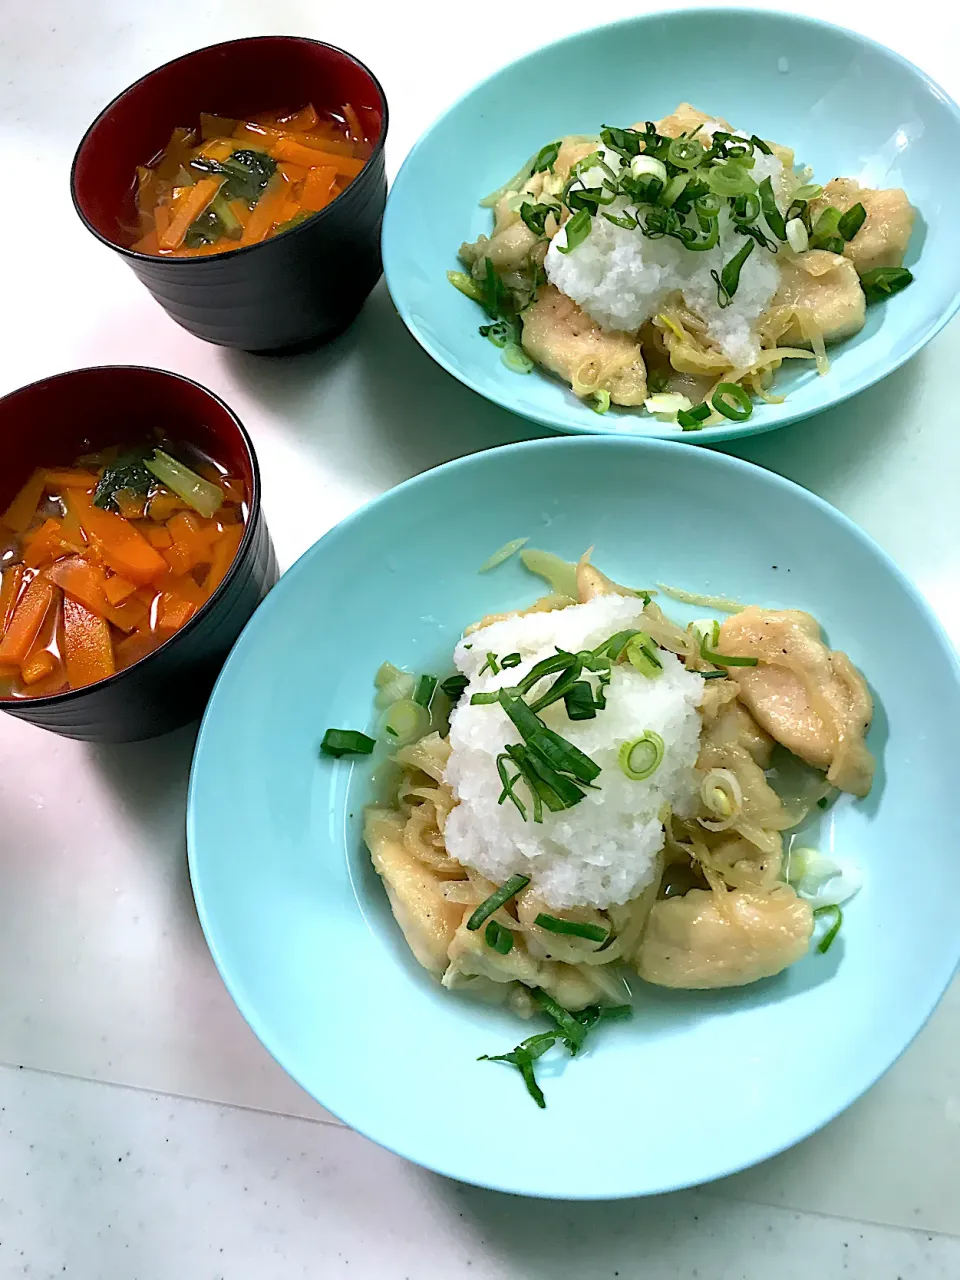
(704,939)
(685,119)
(882,240)
(562,338)
(817,289)
(427,919)
(811,699)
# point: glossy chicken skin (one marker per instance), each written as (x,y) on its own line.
(822,290)
(810,698)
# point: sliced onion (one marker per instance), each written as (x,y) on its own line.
(821,881)
(722,794)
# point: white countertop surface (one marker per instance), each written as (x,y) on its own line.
(144,1132)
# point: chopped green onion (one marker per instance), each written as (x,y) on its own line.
(509,783)
(466,284)
(505,552)
(641,653)
(572,1031)
(200,494)
(827,940)
(883,282)
(423,694)
(797,237)
(761,145)
(455,687)
(546,157)
(721,659)
(826,228)
(771,211)
(852,221)
(576,231)
(674,190)
(561,574)
(614,647)
(810,191)
(498,937)
(579,702)
(572,928)
(492,663)
(509,889)
(685,153)
(559,687)
(642,757)
(732,401)
(566,792)
(693,419)
(484,699)
(714,675)
(723,603)
(535,216)
(515,358)
(601,401)
(644,166)
(406,721)
(729,179)
(513,184)
(344,742)
(511,660)
(523,1060)
(728,281)
(501,333)
(564,756)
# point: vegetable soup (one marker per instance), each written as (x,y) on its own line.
(104,560)
(245,180)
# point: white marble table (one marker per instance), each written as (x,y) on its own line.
(144,1132)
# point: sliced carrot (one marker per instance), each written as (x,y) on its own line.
(173,613)
(129,614)
(38,667)
(241,211)
(83,581)
(305,118)
(55,480)
(124,549)
(158,537)
(149,243)
(11,582)
(289,149)
(334,144)
(88,650)
(161,216)
(118,589)
(193,534)
(23,508)
(45,545)
(218,148)
(265,214)
(134,647)
(70,523)
(318,189)
(187,209)
(293,173)
(27,620)
(224,553)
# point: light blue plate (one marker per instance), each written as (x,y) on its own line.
(848,106)
(698,1084)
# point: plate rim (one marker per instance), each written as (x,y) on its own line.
(707,435)
(938,982)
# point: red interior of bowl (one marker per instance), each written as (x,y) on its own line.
(239,78)
(50,423)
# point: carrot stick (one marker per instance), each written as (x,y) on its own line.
(70,524)
(24,506)
(27,620)
(55,480)
(158,537)
(45,545)
(174,612)
(224,551)
(118,589)
(293,172)
(10,583)
(161,216)
(353,123)
(83,581)
(149,243)
(187,209)
(335,144)
(134,647)
(318,188)
(125,550)
(288,149)
(241,211)
(38,667)
(88,648)
(265,214)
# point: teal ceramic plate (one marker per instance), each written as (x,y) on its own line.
(848,106)
(697,1084)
